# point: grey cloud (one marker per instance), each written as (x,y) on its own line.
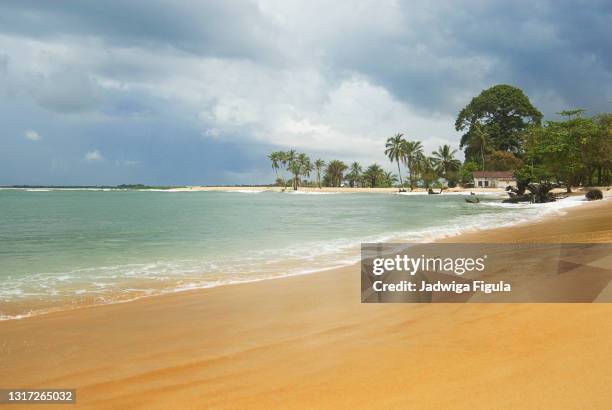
(452,50)
(67,91)
(147,79)
(217,28)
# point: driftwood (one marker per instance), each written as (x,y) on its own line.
(539,193)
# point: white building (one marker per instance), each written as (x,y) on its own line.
(493,179)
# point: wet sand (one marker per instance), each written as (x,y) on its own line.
(307,342)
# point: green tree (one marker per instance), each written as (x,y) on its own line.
(389,179)
(286,158)
(299,165)
(427,170)
(504,112)
(599,152)
(334,172)
(319,164)
(394,149)
(354,174)
(374,175)
(466,172)
(445,162)
(275,159)
(413,150)
(478,143)
(559,151)
(503,161)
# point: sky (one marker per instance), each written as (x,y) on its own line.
(191,92)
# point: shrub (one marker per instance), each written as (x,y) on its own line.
(594,194)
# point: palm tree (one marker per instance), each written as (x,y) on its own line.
(287,159)
(276,158)
(395,151)
(335,170)
(299,164)
(479,141)
(445,162)
(390,178)
(427,170)
(374,174)
(413,150)
(306,166)
(354,173)
(319,164)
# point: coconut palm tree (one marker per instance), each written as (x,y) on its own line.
(412,152)
(354,174)
(335,170)
(276,158)
(445,162)
(287,159)
(390,179)
(306,166)
(394,149)
(299,165)
(427,170)
(479,142)
(319,164)
(374,174)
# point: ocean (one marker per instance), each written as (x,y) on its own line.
(63,249)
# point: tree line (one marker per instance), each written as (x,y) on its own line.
(502,131)
(293,169)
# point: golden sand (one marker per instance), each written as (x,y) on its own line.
(307,342)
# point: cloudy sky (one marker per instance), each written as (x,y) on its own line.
(192,92)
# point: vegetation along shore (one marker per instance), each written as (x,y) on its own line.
(502,131)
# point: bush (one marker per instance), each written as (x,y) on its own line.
(594,194)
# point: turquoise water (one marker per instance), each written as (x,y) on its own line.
(61,249)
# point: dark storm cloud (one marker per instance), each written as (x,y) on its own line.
(197,92)
(563,48)
(220,28)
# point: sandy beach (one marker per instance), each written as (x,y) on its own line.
(332,189)
(307,342)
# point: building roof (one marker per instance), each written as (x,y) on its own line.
(494,174)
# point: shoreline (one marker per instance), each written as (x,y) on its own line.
(307,341)
(471,234)
(447,236)
(289,190)
(257,189)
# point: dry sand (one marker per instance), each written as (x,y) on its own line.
(345,190)
(307,342)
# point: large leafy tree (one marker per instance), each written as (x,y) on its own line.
(504,112)
(503,161)
(394,149)
(599,153)
(560,151)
